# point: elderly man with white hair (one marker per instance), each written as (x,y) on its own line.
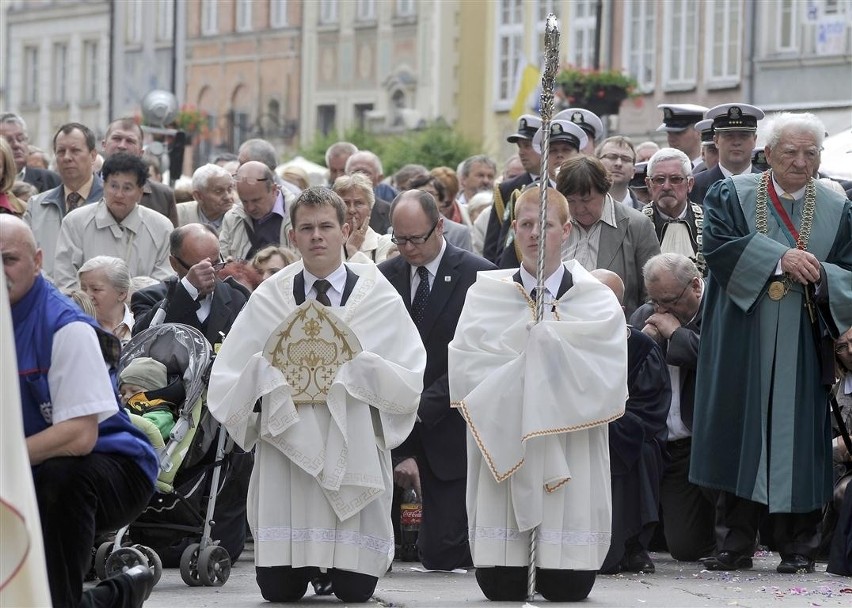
(677,221)
(214,194)
(778,245)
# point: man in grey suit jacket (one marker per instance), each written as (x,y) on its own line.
(673,319)
(606,235)
(74,147)
(14,130)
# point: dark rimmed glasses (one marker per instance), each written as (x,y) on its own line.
(414,240)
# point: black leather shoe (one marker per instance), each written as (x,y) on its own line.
(728,560)
(792,564)
(322,584)
(141,579)
(638,562)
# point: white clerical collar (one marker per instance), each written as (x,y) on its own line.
(728,173)
(780,191)
(432,266)
(337,279)
(552,282)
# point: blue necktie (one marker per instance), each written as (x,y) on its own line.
(421,296)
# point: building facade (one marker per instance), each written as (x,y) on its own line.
(56,64)
(243,67)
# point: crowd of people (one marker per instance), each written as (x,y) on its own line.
(661,383)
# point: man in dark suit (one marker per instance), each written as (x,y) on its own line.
(14,130)
(501,217)
(125,135)
(673,320)
(637,445)
(198,298)
(433,276)
(735,134)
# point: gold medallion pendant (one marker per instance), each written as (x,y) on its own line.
(776,290)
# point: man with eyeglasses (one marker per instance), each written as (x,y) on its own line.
(778,246)
(672,317)
(677,222)
(117,226)
(735,135)
(195,296)
(433,277)
(14,130)
(260,220)
(618,155)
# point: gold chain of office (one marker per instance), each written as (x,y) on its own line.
(807,212)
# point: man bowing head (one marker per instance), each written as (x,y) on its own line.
(321,373)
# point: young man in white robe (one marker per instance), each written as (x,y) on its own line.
(320,492)
(537,398)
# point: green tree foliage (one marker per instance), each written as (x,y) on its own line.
(434,146)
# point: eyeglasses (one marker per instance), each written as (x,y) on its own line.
(216,266)
(413,240)
(612,157)
(249,181)
(674,180)
(669,302)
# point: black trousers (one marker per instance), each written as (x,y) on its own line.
(288,584)
(442,541)
(509,583)
(794,533)
(79,497)
(688,511)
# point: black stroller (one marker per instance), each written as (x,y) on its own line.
(179,504)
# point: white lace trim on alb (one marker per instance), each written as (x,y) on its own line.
(324,535)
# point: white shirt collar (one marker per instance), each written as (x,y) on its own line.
(551,283)
(608,214)
(337,278)
(779,190)
(432,266)
(728,173)
(680,216)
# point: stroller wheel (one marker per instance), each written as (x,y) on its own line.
(154,561)
(214,566)
(101,556)
(189,565)
(123,559)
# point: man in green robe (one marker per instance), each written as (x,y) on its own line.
(775,243)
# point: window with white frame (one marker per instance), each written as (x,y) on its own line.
(405,8)
(786,36)
(277,13)
(640,42)
(544,8)
(328,12)
(31,74)
(365,10)
(581,33)
(724,46)
(509,42)
(680,47)
(209,17)
(165,14)
(60,71)
(134,21)
(244,15)
(90,70)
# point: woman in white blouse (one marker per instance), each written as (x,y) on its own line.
(107,282)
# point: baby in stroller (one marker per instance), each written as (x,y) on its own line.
(147,394)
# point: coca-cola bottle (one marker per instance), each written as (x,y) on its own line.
(410,512)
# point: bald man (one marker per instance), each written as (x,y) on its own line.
(637,443)
(260,220)
(93,471)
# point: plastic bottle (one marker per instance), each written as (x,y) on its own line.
(410,512)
